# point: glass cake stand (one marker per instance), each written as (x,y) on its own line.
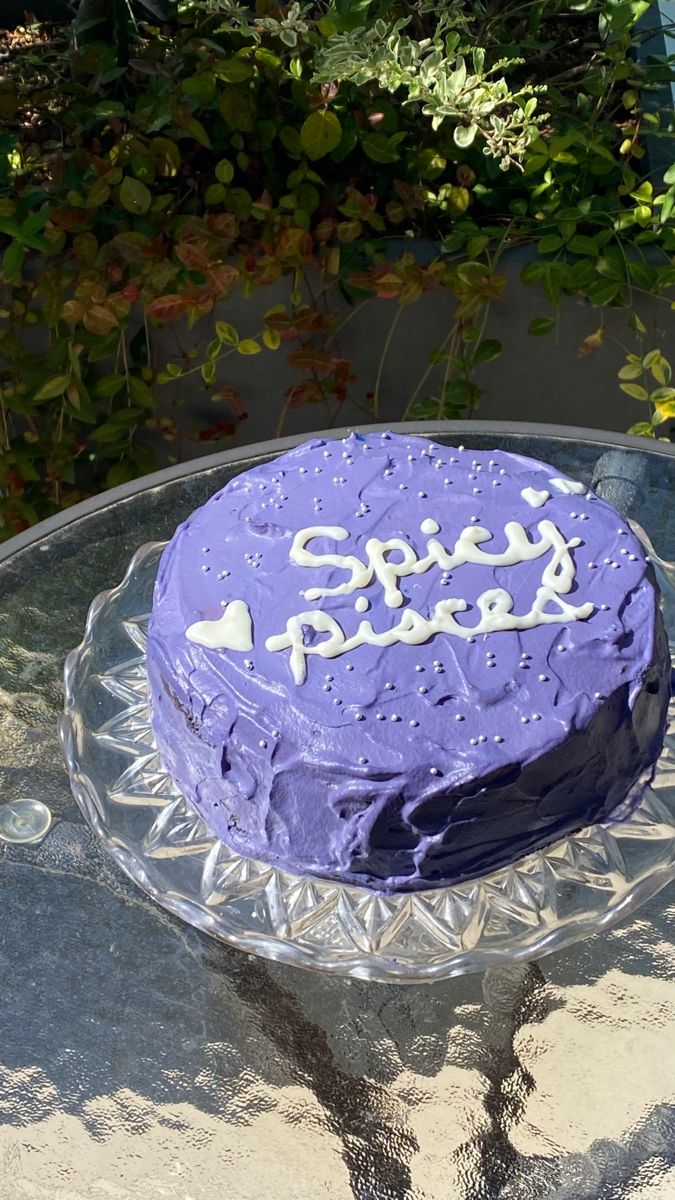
(541,903)
(141,1058)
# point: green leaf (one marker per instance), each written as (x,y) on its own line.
(121,472)
(208,372)
(140,392)
(476,245)
(214,194)
(290,140)
(611,266)
(664,412)
(307,197)
(143,168)
(668,203)
(669,176)
(642,429)
(233,70)
(603,292)
(108,432)
(533,272)
(10,228)
(541,326)
(430,164)
(486,350)
(98,194)
(321,132)
(549,243)
(583,245)
(135,196)
(634,390)
(661,370)
(108,386)
(536,163)
(224,171)
(465,135)
(109,108)
(630,371)
(202,86)
(12,260)
(52,388)
(238,109)
(226,333)
(662,395)
(378,147)
(249,346)
(198,132)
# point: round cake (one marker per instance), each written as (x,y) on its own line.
(400,664)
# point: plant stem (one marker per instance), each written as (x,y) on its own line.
(383,356)
(446,373)
(426,375)
(352,313)
(4,423)
(125,361)
(147,339)
(282,417)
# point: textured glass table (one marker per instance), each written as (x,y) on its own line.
(141,1059)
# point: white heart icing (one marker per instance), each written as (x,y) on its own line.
(535,498)
(232,631)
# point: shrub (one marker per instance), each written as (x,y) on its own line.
(143,183)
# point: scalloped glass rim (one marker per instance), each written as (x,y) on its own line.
(541,903)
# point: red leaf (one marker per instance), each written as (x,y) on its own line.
(294,244)
(222,224)
(307,359)
(230,396)
(306,392)
(167,308)
(221,276)
(218,430)
(194,253)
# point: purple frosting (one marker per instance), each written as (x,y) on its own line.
(403,766)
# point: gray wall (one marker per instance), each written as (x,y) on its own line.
(535,379)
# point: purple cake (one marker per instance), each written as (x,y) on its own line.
(399,665)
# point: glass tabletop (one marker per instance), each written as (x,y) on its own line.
(140,1058)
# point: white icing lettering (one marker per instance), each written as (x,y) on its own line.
(495,606)
(569,487)
(361,575)
(534,498)
(389,572)
(232,631)
(519,549)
